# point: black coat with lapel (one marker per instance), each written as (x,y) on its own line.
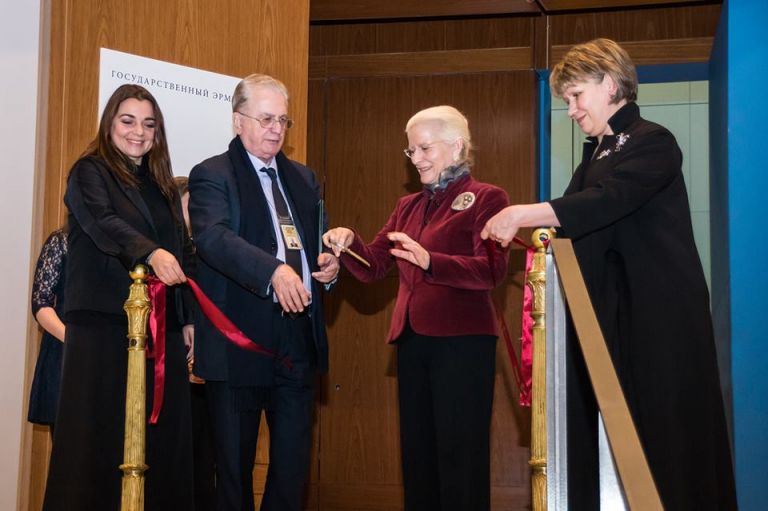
(111,231)
(626,210)
(226,258)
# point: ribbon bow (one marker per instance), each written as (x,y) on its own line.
(222,323)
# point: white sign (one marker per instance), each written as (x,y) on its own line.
(196,104)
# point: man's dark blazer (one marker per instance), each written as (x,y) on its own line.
(111,230)
(226,259)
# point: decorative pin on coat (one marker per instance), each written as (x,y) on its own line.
(621,139)
(463,201)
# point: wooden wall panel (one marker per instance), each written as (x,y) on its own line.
(421,63)
(657,35)
(365,174)
(572,5)
(364,146)
(635,25)
(666,51)
(369,9)
(419,36)
(234,37)
(316,127)
(668,35)
(316,160)
(489,32)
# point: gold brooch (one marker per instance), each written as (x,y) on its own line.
(463,201)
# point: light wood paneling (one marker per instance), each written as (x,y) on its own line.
(40,455)
(371,9)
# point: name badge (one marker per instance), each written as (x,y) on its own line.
(291,237)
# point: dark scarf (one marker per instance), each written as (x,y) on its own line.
(448,175)
(250,374)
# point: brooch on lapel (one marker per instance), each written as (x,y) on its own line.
(463,201)
(621,139)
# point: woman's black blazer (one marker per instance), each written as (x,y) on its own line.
(111,231)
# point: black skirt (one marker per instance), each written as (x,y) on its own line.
(88,440)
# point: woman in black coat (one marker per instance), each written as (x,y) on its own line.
(123,210)
(626,211)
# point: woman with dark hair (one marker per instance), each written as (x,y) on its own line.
(626,211)
(123,210)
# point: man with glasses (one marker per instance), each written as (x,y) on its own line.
(255,219)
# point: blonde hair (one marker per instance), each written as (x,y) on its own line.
(452,126)
(251,82)
(593,60)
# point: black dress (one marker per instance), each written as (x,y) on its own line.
(47,291)
(106,215)
(626,210)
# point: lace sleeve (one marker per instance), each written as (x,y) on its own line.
(48,271)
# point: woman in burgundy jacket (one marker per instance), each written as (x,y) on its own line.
(443,324)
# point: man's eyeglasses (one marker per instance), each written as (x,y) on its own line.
(268,121)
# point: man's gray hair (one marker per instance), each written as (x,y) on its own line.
(252,82)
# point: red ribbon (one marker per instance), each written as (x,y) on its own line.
(157,349)
(157,326)
(526,337)
(522,372)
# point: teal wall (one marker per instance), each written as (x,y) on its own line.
(739,200)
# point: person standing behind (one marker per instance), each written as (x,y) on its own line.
(626,210)
(47,307)
(254,216)
(123,210)
(203,453)
(444,324)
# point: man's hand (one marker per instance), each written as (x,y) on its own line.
(289,289)
(329,268)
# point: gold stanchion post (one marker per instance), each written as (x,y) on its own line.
(537,282)
(137,307)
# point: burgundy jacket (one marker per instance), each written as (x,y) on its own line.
(453,297)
